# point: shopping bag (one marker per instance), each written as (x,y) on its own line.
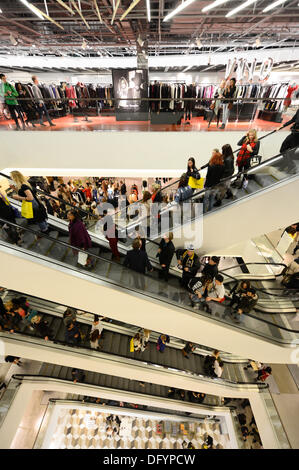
(27,210)
(254,365)
(196,184)
(82,258)
(132,345)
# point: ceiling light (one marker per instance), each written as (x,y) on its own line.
(0,10)
(273,5)
(32,8)
(213,5)
(178,9)
(240,7)
(148,8)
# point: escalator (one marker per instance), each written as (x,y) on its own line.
(53,252)
(116,342)
(267,186)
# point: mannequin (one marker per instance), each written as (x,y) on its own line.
(288,100)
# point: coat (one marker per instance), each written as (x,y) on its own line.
(138,261)
(10,100)
(79,237)
(228,167)
(214,175)
(168,249)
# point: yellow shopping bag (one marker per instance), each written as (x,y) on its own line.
(27,210)
(196,184)
(132,345)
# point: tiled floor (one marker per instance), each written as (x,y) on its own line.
(109,123)
(80,429)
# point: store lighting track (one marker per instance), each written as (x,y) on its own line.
(215,4)
(40,13)
(115,10)
(64,5)
(80,13)
(133,5)
(98,11)
(148,9)
(181,7)
(273,5)
(240,7)
(33,9)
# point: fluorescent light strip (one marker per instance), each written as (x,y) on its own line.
(240,7)
(178,9)
(32,8)
(148,8)
(215,4)
(273,5)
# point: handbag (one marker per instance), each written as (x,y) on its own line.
(196,183)
(82,258)
(27,210)
(132,345)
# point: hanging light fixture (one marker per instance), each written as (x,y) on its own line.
(181,7)
(239,8)
(273,5)
(148,9)
(215,4)
(32,8)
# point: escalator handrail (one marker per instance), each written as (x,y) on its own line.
(202,168)
(112,353)
(113,263)
(200,193)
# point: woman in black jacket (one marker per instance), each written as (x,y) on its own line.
(228,161)
(214,175)
(229,92)
(165,254)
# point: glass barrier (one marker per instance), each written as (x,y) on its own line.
(59,253)
(7,398)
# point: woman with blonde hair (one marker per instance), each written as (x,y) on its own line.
(27,193)
(250,147)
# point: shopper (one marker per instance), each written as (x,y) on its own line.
(214,175)
(250,147)
(189,264)
(69,316)
(263,374)
(246,303)
(137,259)
(228,93)
(73,334)
(95,340)
(211,268)
(224,187)
(184,191)
(108,227)
(27,105)
(238,291)
(216,294)
(79,238)
(97,324)
(41,107)
(13,360)
(192,174)
(10,94)
(78,375)
(290,142)
(26,193)
(42,327)
(165,254)
(188,349)
(8,213)
(218,368)
(217,104)
(209,362)
(161,343)
(200,288)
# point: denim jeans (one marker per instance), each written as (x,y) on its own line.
(209,199)
(42,109)
(225,113)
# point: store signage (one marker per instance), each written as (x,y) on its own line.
(246,70)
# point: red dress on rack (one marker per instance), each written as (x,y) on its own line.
(71,93)
(288,98)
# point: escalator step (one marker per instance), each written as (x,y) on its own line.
(69,374)
(44,244)
(91,378)
(107,341)
(116,345)
(108,381)
(56,371)
(55,326)
(63,373)
(125,345)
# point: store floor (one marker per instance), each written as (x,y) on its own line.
(80,429)
(109,123)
